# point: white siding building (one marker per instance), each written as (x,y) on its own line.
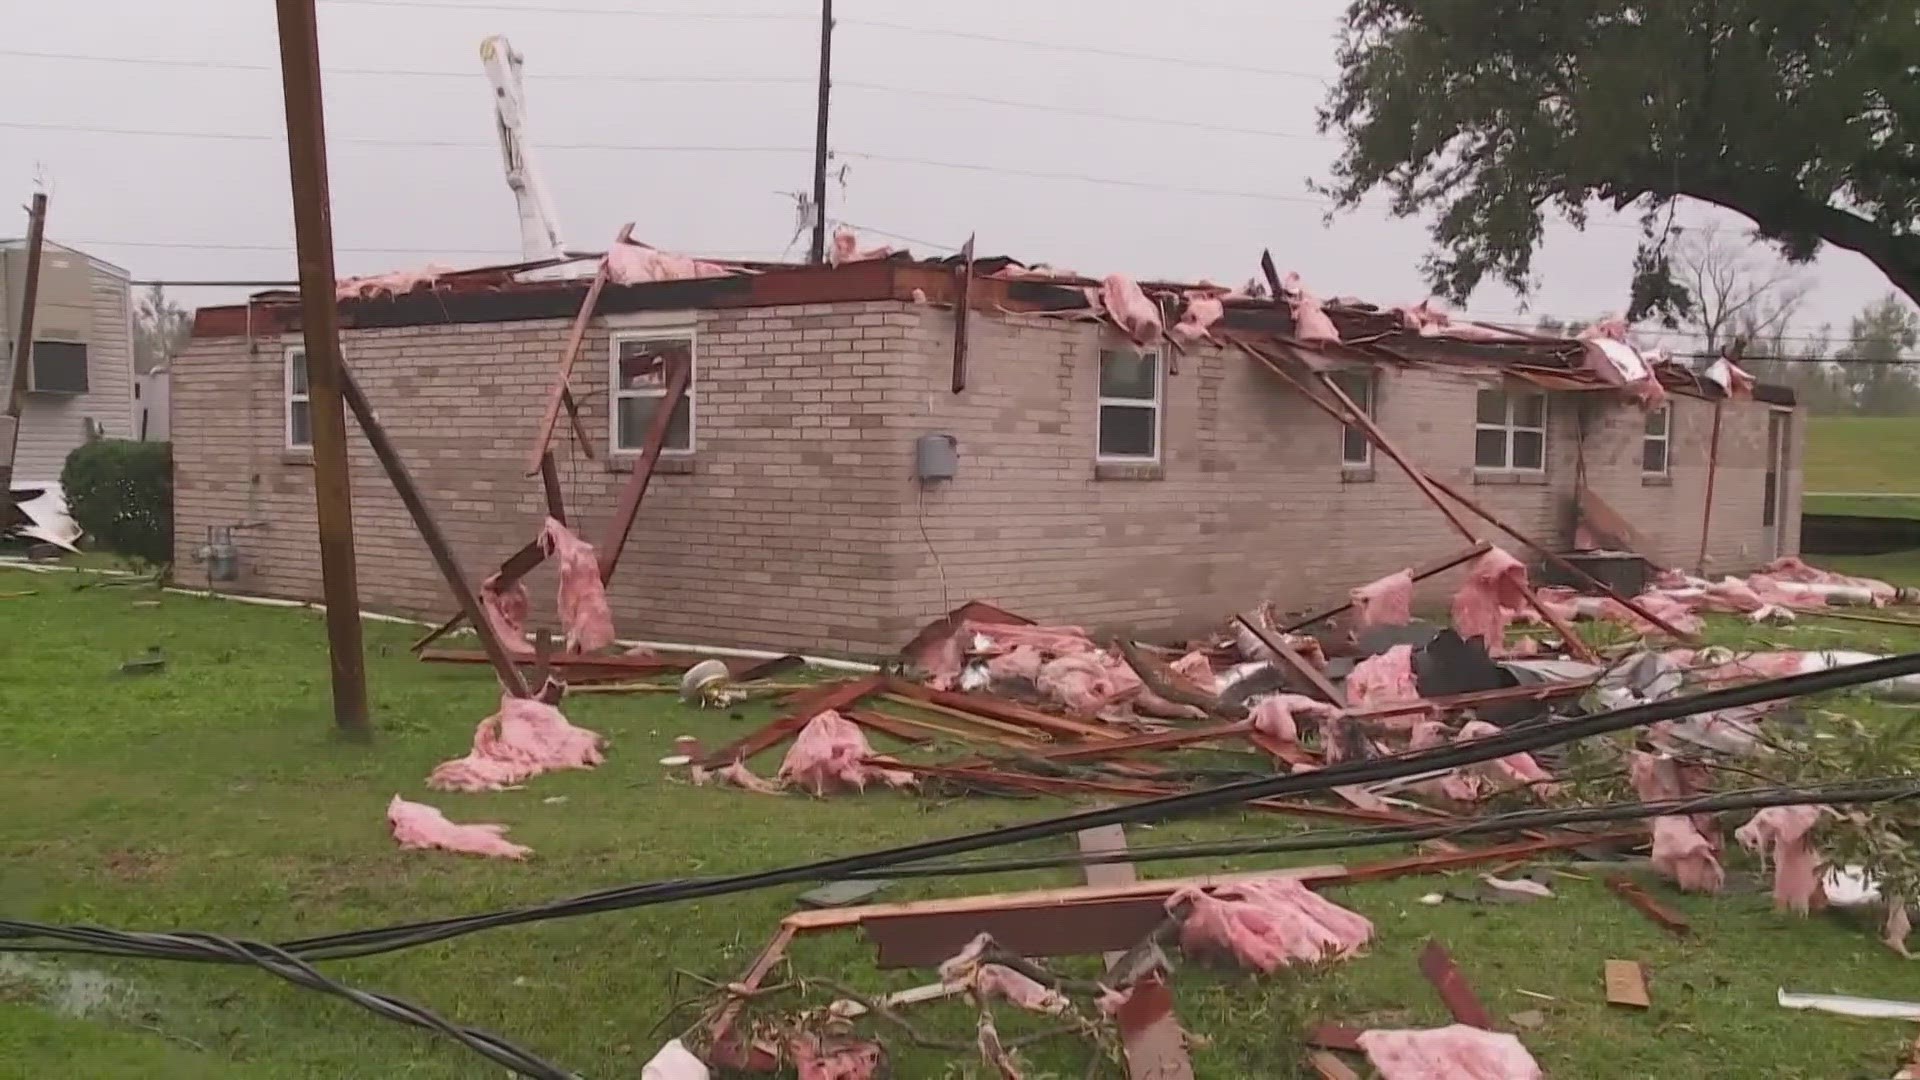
(81,377)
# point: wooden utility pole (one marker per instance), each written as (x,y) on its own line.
(313,237)
(22,352)
(820,134)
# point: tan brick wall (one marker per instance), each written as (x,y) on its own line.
(1252,501)
(775,538)
(800,525)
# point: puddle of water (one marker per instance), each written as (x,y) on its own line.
(70,991)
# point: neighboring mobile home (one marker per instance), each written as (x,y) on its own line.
(80,380)
(1098,482)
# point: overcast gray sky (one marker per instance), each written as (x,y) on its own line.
(1192,201)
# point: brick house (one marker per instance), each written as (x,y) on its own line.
(1097,483)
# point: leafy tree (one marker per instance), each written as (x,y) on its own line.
(161,329)
(1875,362)
(1802,116)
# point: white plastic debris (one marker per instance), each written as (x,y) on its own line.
(674,1062)
(1844,1005)
(1520,886)
(1849,886)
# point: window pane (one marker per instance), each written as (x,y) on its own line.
(299,378)
(1126,431)
(1359,387)
(1653,456)
(1529,450)
(1657,422)
(1490,448)
(636,413)
(299,425)
(1491,407)
(1126,374)
(1354,447)
(640,361)
(1530,410)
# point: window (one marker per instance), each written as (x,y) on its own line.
(1510,431)
(640,385)
(59,367)
(1657,441)
(299,411)
(1356,450)
(1129,405)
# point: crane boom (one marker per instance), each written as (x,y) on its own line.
(539,224)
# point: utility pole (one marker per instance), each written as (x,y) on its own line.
(820,134)
(313,239)
(22,352)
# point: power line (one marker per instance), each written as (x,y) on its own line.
(1088,50)
(395,144)
(1095,114)
(541,9)
(469,76)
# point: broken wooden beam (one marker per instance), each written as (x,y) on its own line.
(1151,1039)
(1665,917)
(892,727)
(620,526)
(1440,970)
(963,277)
(1314,676)
(561,394)
(1106,840)
(1626,984)
(729,1051)
(1007,711)
(1167,683)
(550,487)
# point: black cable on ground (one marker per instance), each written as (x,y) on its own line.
(1851,793)
(391,938)
(300,973)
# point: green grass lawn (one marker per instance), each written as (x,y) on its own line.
(211,796)
(1862,506)
(1863,453)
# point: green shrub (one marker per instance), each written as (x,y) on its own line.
(121,493)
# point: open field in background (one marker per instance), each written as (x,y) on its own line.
(1847,454)
(211,796)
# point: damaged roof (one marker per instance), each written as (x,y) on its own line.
(555,289)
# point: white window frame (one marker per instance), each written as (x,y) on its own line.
(1157,404)
(1507,428)
(1370,405)
(288,397)
(617,393)
(1665,439)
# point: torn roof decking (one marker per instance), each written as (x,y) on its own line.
(1370,335)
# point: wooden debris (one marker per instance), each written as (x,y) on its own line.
(1101,841)
(1330,1067)
(1627,984)
(1438,966)
(1150,1035)
(1630,891)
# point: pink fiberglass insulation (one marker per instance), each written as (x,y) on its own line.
(1085,683)
(1383,679)
(1196,323)
(1456,1052)
(419,826)
(1675,613)
(583,599)
(1685,855)
(506,611)
(1459,785)
(817,1058)
(1198,670)
(1269,923)
(1310,323)
(736,775)
(1790,568)
(521,741)
(1496,582)
(1512,771)
(1754,667)
(392,283)
(638,264)
(995,981)
(1429,320)
(1784,833)
(1386,602)
(1277,716)
(846,249)
(831,752)
(1022,664)
(1127,305)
